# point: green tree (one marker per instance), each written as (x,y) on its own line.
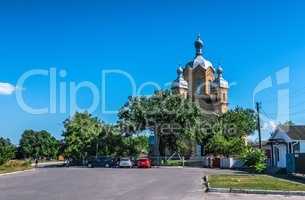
(226,134)
(112,142)
(141,144)
(221,145)
(38,144)
(7,150)
(134,145)
(169,116)
(81,133)
(108,142)
(238,122)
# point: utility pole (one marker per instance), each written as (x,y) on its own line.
(258,106)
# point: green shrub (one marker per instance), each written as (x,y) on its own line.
(15,165)
(255,159)
(173,163)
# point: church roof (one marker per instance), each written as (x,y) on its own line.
(180,82)
(199,60)
(223,83)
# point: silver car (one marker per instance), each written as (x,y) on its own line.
(125,162)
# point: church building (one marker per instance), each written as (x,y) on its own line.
(201,82)
(205,85)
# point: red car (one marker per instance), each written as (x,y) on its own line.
(144,163)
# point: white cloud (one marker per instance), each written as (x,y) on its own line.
(269,126)
(6,89)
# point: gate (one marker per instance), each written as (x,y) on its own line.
(290,159)
(296,163)
(300,163)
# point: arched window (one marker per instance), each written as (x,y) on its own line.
(209,87)
(199,86)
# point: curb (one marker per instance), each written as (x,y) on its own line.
(17,172)
(248,191)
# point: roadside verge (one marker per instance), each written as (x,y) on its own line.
(209,188)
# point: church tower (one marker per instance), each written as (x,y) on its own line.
(221,91)
(201,82)
(180,86)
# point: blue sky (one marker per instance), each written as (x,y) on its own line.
(251,40)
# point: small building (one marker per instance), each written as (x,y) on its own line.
(286,140)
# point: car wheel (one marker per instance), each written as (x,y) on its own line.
(107,165)
(90,165)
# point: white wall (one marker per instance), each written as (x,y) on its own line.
(302,146)
(282,155)
(231,163)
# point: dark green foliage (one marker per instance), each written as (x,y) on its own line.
(255,159)
(239,122)
(81,135)
(86,136)
(220,145)
(169,116)
(38,145)
(228,133)
(7,150)
(158,112)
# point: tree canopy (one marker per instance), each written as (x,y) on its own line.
(239,122)
(178,121)
(80,134)
(38,144)
(7,150)
(230,130)
(168,115)
(86,136)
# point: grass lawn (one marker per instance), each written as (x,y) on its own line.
(263,182)
(173,163)
(13,166)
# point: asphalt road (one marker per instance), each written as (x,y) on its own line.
(115,184)
(103,184)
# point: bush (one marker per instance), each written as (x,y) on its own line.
(255,159)
(15,165)
(7,150)
(173,163)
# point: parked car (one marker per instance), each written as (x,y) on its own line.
(101,162)
(74,162)
(144,163)
(125,162)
